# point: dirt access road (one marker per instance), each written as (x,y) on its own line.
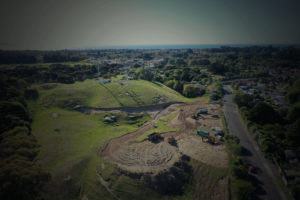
(264,180)
(146,156)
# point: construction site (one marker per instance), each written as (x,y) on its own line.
(199,137)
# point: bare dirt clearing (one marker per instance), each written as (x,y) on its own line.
(214,155)
(146,156)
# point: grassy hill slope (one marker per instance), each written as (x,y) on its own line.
(71,141)
(113,94)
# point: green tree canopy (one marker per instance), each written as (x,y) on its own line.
(293,134)
(146,74)
(294,112)
(191,90)
(217,68)
(263,113)
(243,99)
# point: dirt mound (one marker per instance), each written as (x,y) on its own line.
(176,122)
(168,181)
(145,156)
(116,143)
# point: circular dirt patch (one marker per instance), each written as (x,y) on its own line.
(145,156)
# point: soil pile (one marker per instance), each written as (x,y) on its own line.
(169,181)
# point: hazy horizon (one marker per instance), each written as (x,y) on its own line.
(53,25)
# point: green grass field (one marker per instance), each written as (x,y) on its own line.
(70,145)
(91,93)
(70,141)
(161,126)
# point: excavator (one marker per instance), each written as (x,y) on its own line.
(205,135)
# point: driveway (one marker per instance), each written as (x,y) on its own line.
(263,177)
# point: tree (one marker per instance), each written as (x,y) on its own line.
(242,189)
(180,61)
(32,94)
(20,179)
(293,94)
(170,83)
(242,99)
(217,68)
(263,113)
(200,62)
(190,51)
(239,171)
(191,90)
(136,65)
(294,112)
(185,75)
(148,56)
(146,74)
(178,86)
(158,78)
(15,57)
(12,112)
(293,134)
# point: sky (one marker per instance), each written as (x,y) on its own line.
(69,24)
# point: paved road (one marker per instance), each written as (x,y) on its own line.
(263,178)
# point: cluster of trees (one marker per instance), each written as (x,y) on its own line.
(293,114)
(261,117)
(217,68)
(181,86)
(204,62)
(192,90)
(144,74)
(61,73)
(16,57)
(29,57)
(54,73)
(176,85)
(276,131)
(20,176)
(54,57)
(240,185)
(177,76)
(218,92)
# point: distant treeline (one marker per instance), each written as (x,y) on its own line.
(59,73)
(30,57)
(26,57)
(16,57)
(60,57)
(286,53)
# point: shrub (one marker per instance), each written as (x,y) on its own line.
(191,90)
(242,99)
(263,113)
(239,171)
(242,189)
(294,112)
(31,94)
